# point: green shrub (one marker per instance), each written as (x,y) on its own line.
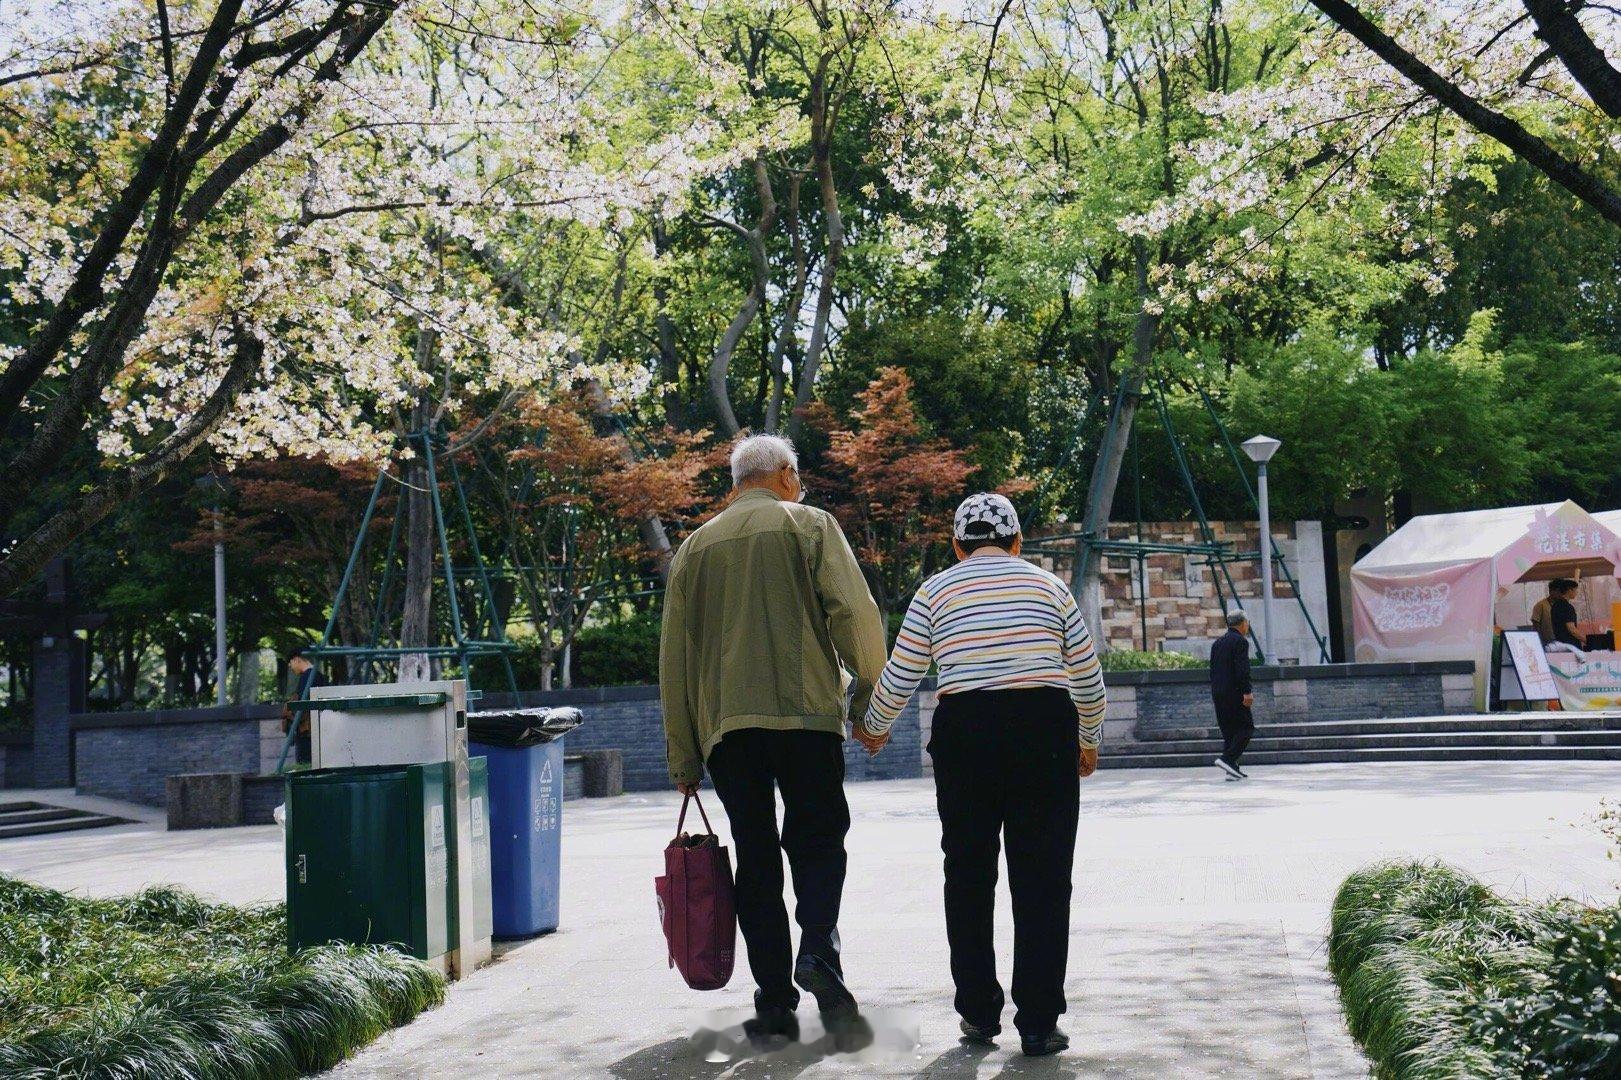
(1442,979)
(619,652)
(162,984)
(1567,1026)
(1131,660)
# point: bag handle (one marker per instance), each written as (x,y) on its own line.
(682,821)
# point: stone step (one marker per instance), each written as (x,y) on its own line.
(1265,740)
(1551,721)
(28,817)
(75,821)
(1371,754)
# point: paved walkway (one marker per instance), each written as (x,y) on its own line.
(1196,952)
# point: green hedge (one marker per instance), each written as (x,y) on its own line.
(1131,660)
(1442,979)
(164,985)
(620,652)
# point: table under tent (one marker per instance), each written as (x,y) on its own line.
(1441,587)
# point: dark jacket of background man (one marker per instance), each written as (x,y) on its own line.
(1230,666)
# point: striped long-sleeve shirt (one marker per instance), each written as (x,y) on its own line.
(993,622)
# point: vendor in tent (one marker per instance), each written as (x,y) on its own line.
(1562,612)
(1542,614)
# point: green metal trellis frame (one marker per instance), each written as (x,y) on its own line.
(377,651)
(1210,552)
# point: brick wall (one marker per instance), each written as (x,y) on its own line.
(16,764)
(1178,592)
(628,718)
(131,755)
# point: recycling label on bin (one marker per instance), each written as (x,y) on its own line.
(546,812)
(436,826)
(476,812)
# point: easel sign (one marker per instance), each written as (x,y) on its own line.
(1529,666)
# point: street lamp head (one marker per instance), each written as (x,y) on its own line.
(1261,448)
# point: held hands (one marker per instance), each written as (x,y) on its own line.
(1249,701)
(1089,761)
(870,742)
(688,788)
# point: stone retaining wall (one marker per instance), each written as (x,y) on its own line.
(131,755)
(1143,703)
(628,718)
(17,763)
(1153,701)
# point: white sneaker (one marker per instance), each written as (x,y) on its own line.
(1231,770)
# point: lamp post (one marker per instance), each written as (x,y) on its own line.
(216,486)
(1260,449)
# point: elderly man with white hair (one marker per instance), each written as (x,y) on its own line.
(765,612)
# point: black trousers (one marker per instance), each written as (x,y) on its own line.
(749,767)
(1237,724)
(1005,768)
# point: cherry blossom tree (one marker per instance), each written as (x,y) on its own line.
(276,249)
(1535,75)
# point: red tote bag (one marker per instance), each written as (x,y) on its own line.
(696,905)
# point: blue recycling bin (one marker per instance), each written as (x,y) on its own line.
(526,833)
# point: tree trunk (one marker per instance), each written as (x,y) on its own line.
(759,276)
(416,624)
(172,660)
(1084,579)
(790,313)
(29,555)
(669,362)
(654,538)
(822,121)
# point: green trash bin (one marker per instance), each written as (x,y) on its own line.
(481,908)
(370,852)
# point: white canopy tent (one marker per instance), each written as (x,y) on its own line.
(1434,589)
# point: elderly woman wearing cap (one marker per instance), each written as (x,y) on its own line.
(1017,726)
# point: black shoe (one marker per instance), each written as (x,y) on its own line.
(848,1029)
(1054,1042)
(816,976)
(1242,775)
(1229,768)
(980,1036)
(772,1022)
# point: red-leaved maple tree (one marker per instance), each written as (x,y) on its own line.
(893,486)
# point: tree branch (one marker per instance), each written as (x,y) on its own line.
(1558,26)
(30,555)
(1557,167)
(84,293)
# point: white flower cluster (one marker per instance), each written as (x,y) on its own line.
(360,255)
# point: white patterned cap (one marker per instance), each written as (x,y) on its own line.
(985,516)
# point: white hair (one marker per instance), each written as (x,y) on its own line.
(761,455)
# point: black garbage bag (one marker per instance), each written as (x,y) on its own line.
(514,729)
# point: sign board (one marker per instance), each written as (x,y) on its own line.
(1531,669)
(1590,680)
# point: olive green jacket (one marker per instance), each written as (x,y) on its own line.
(765,606)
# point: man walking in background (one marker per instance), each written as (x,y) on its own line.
(1231,689)
(765,610)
